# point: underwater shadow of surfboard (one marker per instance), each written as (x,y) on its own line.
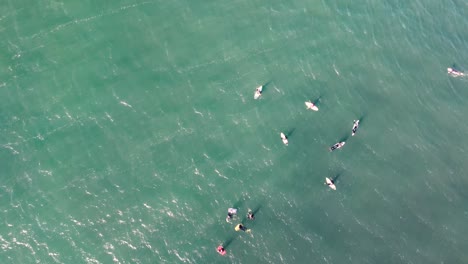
(334,179)
(290,132)
(344,138)
(228,242)
(315,102)
(266,85)
(455,67)
(362,118)
(256,209)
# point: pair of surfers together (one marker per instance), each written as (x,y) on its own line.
(309,104)
(233,212)
(342,143)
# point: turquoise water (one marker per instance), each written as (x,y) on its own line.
(127,128)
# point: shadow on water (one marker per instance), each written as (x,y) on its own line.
(265,85)
(238,204)
(228,242)
(315,102)
(362,118)
(256,209)
(334,179)
(290,132)
(344,138)
(456,67)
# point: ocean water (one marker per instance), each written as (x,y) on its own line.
(127,128)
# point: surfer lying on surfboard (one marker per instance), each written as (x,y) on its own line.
(337,145)
(454,72)
(355,127)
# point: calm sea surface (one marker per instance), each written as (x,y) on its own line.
(128,127)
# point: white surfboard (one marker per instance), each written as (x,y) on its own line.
(330,183)
(258,92)
(311,106)
(284,138)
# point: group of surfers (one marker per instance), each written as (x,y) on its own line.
(330,182)
(232,212)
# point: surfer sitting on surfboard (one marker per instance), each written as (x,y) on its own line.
(221,250)
(284,138)
(330,183)
(250,215)
(241,227)
(258,92)
(311,106)
(231,213)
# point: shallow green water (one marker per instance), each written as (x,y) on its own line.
(127,128)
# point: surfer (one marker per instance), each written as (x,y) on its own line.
(284,138)
(229,217)
(337,145)
(250,215)
(230,214)
(330,183)
(241,227)
(311,106)
(454,72)
(221,250)
(258,92)
(355,127)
